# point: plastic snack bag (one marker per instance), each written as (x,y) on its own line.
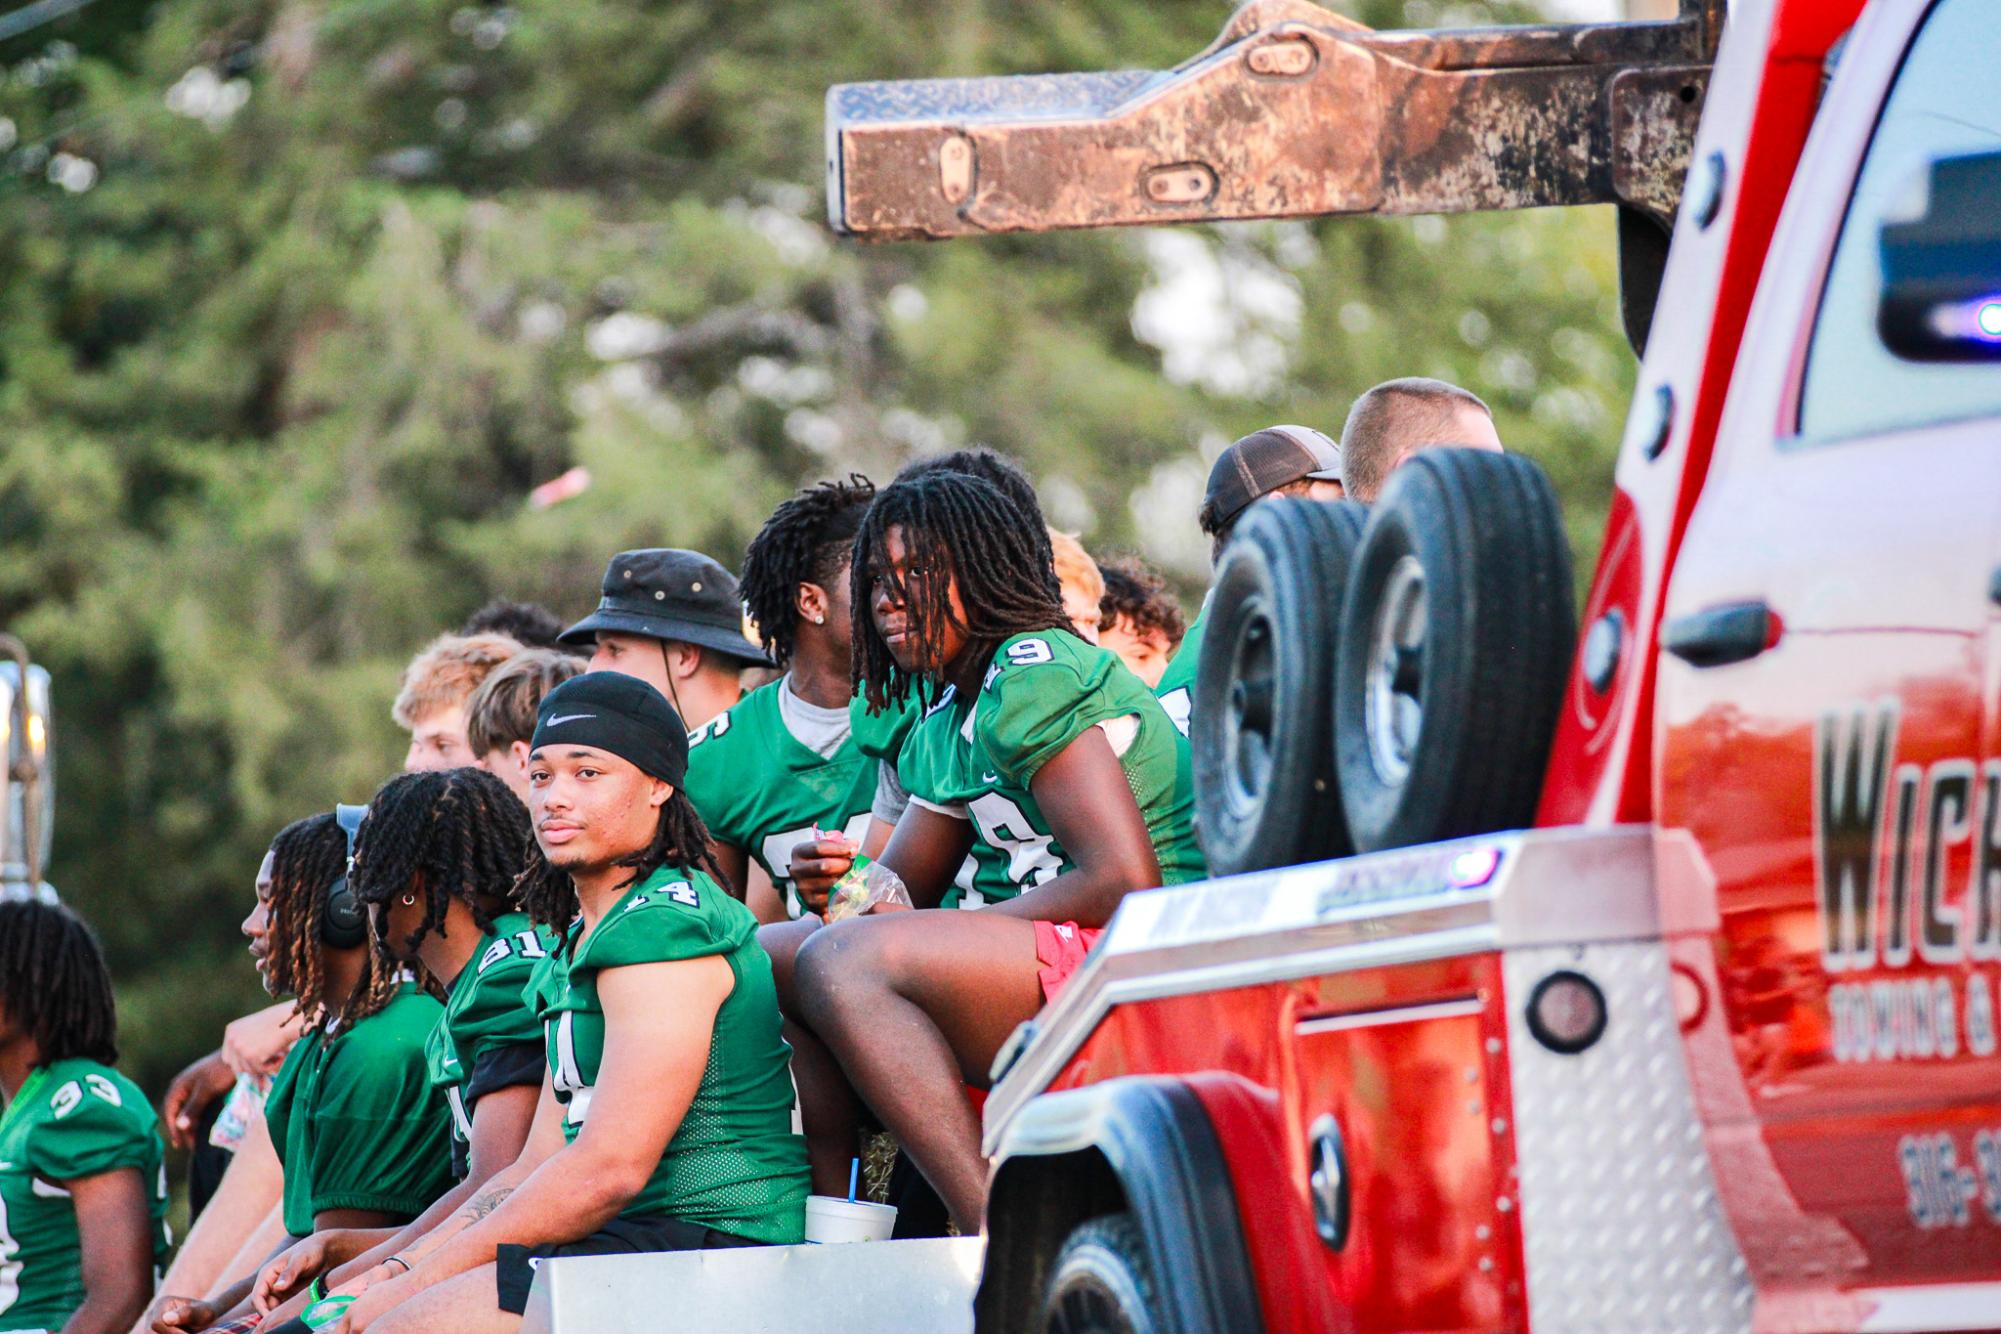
(866,883)
(326,1311)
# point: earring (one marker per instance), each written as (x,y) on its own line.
(819,620)
(409,900)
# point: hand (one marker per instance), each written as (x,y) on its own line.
(190,1094)
(176,1315)
(289,1274)
(816,864)
(380,1272)
(256,1044)
(382,1296)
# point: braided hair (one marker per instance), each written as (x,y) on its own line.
(445,834)
(54,986)
(956,528)
(549,896)
(306,858)
(995,469)
(806,540)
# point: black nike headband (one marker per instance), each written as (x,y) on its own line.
(620,714)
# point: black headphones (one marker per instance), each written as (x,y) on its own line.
(344,924)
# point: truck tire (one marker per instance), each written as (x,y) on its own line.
(1456,637)
(1100,1282)
(1264,777)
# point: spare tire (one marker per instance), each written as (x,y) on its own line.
(1455,642)
(1264,778)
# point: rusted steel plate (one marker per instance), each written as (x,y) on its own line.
(1654,117)
(1292,111)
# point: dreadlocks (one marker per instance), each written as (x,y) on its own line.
(54,986)
(446,834)
(956,528)
(806,540)
(306,858)
(996,470)
(548,896)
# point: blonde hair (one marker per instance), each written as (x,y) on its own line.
(449,669)
(1074,566)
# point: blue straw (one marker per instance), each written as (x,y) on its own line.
(854,1175)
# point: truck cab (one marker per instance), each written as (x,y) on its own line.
(1831,775)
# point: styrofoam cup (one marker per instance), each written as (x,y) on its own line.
(832,1219)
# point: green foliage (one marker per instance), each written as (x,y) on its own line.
(305,295)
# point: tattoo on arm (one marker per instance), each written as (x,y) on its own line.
(486,1202)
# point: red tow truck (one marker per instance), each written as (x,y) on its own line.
(1703,1035)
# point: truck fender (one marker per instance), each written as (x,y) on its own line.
(1140,1144)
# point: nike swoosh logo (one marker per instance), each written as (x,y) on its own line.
(568,718)
(990,778)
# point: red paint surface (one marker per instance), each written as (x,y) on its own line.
(1874,556)
(1601,769)
(1416,1101)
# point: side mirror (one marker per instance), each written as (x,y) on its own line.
(27,773)
(1942,266)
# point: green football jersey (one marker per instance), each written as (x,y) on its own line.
(356,1120)
(733,1164)
(880,735)
(72,1118)
(1176,690)
(977,759)
(758,788)
(488,1038)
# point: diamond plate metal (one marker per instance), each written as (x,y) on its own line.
(1621,1224)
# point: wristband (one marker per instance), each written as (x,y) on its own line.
(397,1259)
(318,1291)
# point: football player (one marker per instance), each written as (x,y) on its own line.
(83,1195)
(880,729)
(1043,756)
(500,715)
(364,1138)
(435,863)
(1083,584)
(1138,618)
(671,618)
(661,1026)
(782,765)
(1277,461)
(431,704)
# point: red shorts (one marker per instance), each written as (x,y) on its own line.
(1060,948)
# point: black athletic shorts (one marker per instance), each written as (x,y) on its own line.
(514,1266)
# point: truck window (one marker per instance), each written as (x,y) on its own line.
(1945,101)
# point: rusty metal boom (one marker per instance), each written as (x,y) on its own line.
(1292,111)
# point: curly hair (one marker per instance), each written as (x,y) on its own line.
(54,986)
(447,834)
(549,896)
(306,858)
(806,540)
(1137,593)
(957,529)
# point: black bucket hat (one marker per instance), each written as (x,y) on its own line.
(668,593)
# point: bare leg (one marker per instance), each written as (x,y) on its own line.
(916,1005)
(829,1112)
(465,1304)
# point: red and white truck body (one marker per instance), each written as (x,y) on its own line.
(1322,1091)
